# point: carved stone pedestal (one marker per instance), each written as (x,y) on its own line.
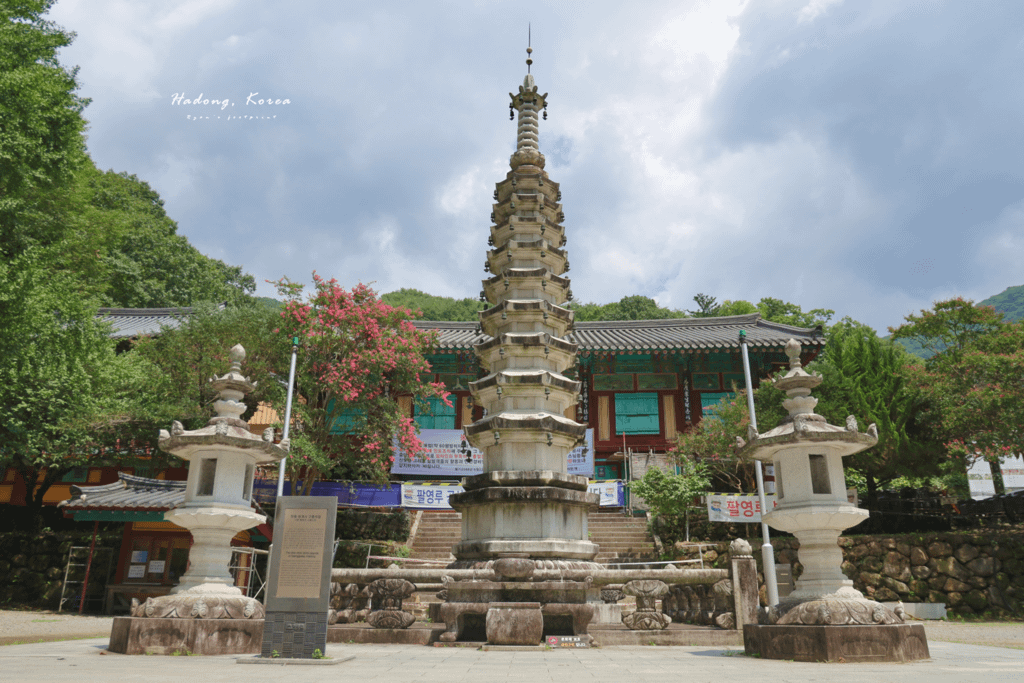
(646,617)
(167,636)
(851,643)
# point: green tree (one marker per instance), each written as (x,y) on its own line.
(973,385)
(180,362)
(673,494)
(713,443)
(707,307)
(947,330)
(739,307)
(358,355)
(430,307)
(864,376)
(779,311)
(41,124)
(145,261)
(55,377)
(634,307)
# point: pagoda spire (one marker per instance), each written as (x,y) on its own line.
(528,102)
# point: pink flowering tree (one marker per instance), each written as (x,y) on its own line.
(357,355)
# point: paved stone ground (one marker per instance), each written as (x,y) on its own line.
(84,661)
(81,661)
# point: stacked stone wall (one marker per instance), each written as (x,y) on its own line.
(32,566)
(970,573)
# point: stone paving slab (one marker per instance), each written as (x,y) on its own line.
(81,661)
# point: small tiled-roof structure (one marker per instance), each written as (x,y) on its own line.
(129,494)
(693,334)
(141,322)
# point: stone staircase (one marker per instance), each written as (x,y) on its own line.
(622,538)
(438,531)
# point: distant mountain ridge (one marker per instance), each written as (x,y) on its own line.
(1009,302)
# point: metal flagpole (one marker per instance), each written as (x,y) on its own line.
(767,552)
(287,414)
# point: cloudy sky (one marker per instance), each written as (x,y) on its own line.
(862,156)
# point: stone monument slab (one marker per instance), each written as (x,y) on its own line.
(299,583)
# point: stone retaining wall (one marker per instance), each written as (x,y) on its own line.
(971,573)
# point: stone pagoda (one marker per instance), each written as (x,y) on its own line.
(525,511)
(825,618)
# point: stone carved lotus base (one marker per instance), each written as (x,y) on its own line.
(198,606)
(387,601)
(646,617)
(835,612)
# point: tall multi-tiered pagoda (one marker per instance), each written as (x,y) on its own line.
(525,504)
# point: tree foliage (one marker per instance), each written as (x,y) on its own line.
(672,494)
(864,376)
(713,443)
(634,307)
(707,306)
(41,124)
(55,376)
(358,355)
(430,307)
(947,330)
(973,385)
(779,311)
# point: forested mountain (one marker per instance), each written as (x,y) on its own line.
(1009,302)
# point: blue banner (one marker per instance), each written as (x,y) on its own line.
(348,493)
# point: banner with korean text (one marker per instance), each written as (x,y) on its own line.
(736,507)
(610,492)
(447,453)
(426,496)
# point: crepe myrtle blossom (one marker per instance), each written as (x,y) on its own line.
(358,355)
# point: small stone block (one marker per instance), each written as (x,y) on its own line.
(515,623)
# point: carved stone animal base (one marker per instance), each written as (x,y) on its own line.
(846,643)
(167,636)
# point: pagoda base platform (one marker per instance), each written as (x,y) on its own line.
(837,643)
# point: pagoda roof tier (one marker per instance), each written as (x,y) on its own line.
(674,334)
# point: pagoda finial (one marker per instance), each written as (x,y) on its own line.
(529,47)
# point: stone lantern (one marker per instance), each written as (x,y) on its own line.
(222,457)
(812,505)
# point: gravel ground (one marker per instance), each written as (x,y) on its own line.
(33,627)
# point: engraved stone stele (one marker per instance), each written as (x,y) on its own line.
(807,453)
(222,458)
(525,510)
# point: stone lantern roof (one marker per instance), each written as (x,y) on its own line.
(803,425)
(226,428)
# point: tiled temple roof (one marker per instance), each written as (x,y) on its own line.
(693,334)
(127,493)
(141,322)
